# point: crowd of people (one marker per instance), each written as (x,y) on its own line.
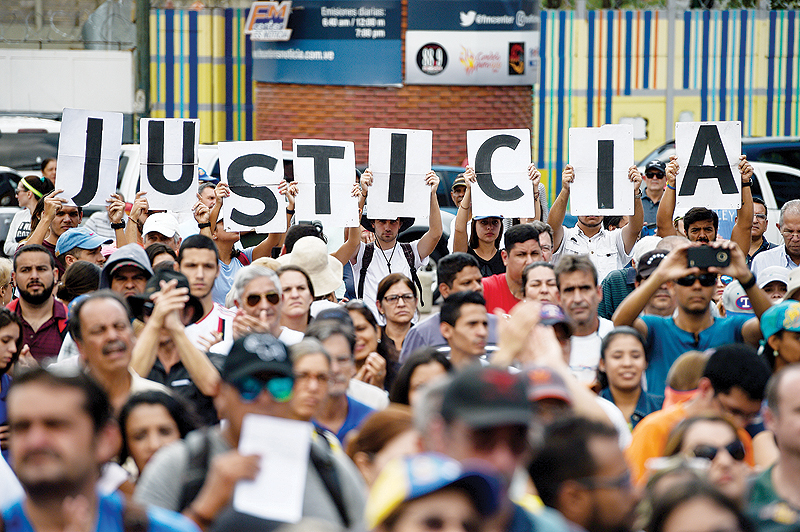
(574,378)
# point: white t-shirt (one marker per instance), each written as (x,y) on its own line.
(606,249)
(379,268)
(18,230)
(585,352)
(12,490)
(211,324)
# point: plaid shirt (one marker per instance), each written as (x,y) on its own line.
(46,341)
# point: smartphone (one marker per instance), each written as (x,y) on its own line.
(705,256)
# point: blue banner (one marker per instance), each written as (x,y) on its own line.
(478,15)
(343,42)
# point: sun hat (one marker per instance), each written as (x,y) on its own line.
(311,254)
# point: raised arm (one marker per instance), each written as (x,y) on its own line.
(52,204)
(464,214)
(429,240)
(744,216)
(350,245)
(666,207)
(116,214)
(139,209)
(201,216)
(630,233)
(559,209)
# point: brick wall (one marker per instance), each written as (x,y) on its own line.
(346,113)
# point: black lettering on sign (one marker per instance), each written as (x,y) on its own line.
(605,174)
(483,168)
(322,173)
(155,159)
(708,139)
(91,164)
(397,167)
(240,187)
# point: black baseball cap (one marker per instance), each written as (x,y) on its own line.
(256,354)
(486,397)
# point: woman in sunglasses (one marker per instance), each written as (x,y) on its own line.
(397,303)
(714,442)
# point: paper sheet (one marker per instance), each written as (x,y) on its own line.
(331,201)
(278,491)
(168,155)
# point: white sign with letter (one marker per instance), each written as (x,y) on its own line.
(253,170)
(601,157)
(399,160)
(88,156)
(168,154)
(708,156)
(501,158)
(325,171)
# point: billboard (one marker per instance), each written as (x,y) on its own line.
(342,42)
(488,42)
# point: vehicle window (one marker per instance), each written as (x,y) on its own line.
(123,164)
(787,156)
(785,186)
(26,151)
(756,190)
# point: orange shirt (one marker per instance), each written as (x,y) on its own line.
(650,438)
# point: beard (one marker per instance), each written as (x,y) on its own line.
(39,298)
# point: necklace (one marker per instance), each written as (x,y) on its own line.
(389,260)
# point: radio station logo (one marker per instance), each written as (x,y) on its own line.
(267,21)
(475,61)
(432,59)
(516,59)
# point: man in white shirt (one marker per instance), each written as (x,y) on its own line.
(608,250)
(787,255)
(386,255)
(580,296)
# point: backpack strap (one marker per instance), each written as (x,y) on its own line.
(199,446)
(323,463)
(408,251)
(242,256)
(369,251)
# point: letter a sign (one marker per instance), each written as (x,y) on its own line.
(708,155)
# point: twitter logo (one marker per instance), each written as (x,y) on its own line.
(467,18)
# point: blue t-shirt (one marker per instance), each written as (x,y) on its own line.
(667,342)
(109,518)
(224,281)
(357,412)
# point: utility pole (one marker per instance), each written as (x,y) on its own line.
(142,98)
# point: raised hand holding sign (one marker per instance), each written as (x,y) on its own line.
(501,159)
(253,171)
(168,154)
(708,156)
(88,155)
(325,171)
(600,158)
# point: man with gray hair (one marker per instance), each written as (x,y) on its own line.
(256,293)
(787,255)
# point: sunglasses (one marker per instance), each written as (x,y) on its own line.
(708,452)
(280,388)
(706,279)
(655,175)
(254,299)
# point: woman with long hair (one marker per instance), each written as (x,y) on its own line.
(10,347)
(298,294)
(372,364)
(30,190)
(397,303)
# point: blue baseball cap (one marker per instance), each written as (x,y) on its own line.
(411,477)
(784,316)
(485,217)
(79,237)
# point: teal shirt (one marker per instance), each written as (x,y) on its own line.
(767,510)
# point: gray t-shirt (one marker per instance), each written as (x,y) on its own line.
(162,481)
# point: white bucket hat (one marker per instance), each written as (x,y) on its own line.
(311,254)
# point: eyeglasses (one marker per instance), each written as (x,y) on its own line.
(655,175)
(393,299)
(790,234)
(272,298)
(706,279)
(760,217)
(280,388)
(622,482)
(708,452)
(485,440)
